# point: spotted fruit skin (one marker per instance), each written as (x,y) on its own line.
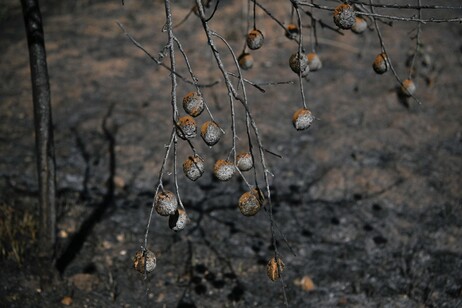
(224,170)
(344,16)
(302,119)
(186,127)
(166,203)
(255,39)
(193,104)
(193,167)
(299,62)
(211,133)
(244,161)
(249,203)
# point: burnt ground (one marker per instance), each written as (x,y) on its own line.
(369,198)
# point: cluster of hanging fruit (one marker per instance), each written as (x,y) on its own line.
(250,202)
(345,18)
(193,105)
(166,203)
(302,118)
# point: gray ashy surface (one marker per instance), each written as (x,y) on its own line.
(369,197)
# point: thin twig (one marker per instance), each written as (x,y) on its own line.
(313,34)
(267,12)
(409,6)
(417,42)
(388,59)
(159,186)
(301,52)
(233,94)
(158,62)
(175,172)
(171,49)
(413,19)
(381,16)
(259,84)
(194,78)
(321,23)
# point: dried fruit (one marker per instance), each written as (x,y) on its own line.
(224,170)
(193,167)
(250,202)
(165,203)
(66,300)
(314,63)
(193,104)
(408,87)
(302,119)
(306,283)
(255,39)
(210,132)
(292,31)
(344,16)
(381,64)
(360,25)
(274,268)
(186,127)
(178,221)
(245,61)
(299,62)
(244,161)
(144,259)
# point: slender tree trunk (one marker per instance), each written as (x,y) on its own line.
(43,127)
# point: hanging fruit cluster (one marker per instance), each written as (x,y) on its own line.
(345,17)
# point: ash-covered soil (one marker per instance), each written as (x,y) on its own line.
(369,198)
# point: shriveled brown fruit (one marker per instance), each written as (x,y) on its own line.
(210,133)
(144,260)
(250,203)
(244,161)
(165,203)
(255,39)
(193,167)
(274,268)
(299,62)
(302,119)
(186,127)
(178,221)
(224,170)
(344,16)
(193,104)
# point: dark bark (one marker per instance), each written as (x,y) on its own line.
(43,127)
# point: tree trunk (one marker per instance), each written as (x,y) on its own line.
(43,127)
